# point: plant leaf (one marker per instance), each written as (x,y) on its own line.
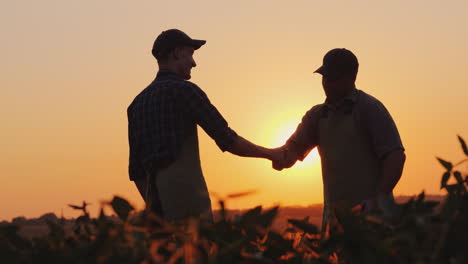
(76,207)
(458,176)
(304,226)
(421,197)
(448,165)
(463,145)
(121,207)
(82,219)
(252,214)
(266,219)
(452,188)
(241,194)
(445,178)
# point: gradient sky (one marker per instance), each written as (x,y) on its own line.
(69,69)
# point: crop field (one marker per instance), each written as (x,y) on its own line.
(422,231)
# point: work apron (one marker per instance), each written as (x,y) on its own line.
(181,187)
(350,169)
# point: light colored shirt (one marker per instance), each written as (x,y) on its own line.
(370,116)
(352,137)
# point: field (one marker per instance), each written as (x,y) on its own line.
(38,227)
(422,231)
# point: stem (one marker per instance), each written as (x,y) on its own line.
(460,162)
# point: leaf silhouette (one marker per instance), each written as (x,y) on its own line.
(463,145)
(252,214)
(445,178)
(121,207)
(76,207)
(304,226)
(452,188)
(82,219)
(448,165)
(421,197)
(266,219)
(240,194)
(458,176)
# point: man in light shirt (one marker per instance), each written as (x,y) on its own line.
(361,151)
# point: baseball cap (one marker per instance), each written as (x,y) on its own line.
(338,62)
(170,39)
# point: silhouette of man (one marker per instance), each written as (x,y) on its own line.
(361,151)
(162,129)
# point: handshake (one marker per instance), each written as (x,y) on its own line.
(281,158)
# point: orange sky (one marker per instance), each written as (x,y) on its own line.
(70,69)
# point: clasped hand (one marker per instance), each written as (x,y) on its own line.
(280,158)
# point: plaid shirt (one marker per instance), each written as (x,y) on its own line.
(163,115)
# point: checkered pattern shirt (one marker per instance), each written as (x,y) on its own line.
(163,115)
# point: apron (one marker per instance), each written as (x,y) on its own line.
(350,169)
(181,187)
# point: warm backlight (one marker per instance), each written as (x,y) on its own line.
(284,130)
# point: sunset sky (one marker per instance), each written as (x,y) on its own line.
(69,70)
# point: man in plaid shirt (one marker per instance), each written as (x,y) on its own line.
(162,131)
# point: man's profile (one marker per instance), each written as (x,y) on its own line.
(361,152)
(162,129)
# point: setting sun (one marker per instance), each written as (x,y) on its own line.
(71,68)
(282,128)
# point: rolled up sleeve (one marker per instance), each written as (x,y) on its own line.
(204,113)
(305,138)
(383,132)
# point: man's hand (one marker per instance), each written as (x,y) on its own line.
(382,203)
(277,156)
(387,204)
(281,158)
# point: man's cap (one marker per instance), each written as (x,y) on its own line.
(338,62)
(170,39)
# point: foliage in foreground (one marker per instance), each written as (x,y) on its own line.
(421,232)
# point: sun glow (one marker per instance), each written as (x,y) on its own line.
(281,136)
(280,129)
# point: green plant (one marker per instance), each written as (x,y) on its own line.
(422,232)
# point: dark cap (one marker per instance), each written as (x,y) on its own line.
(170,39)
(338,62)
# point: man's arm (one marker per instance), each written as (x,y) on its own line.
(392,168)
(386,143)
(302,141)
(290,155)
(198,106)
(245,148)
